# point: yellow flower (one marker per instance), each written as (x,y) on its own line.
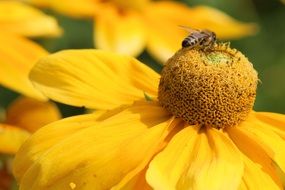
(141,143)
(17,53)
(17,56)
(24,116)
(128,26)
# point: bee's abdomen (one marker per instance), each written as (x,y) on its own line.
(189,41)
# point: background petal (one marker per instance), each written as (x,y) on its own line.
(197,160)
(75,8)
(17,57)
(165,37)
(11,138)
(121,31)
(31,114)
(19,18)
(40,3)
(93,78)
(223,25)
(102,154)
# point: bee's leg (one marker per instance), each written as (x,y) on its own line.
(227,44)
(224,45)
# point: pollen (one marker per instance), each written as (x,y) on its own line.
(215,88)
(72,185)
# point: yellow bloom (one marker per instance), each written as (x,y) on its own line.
(138,144)
(18,54)
(24,116)
(128,26)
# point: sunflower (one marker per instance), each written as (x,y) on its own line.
(128,26)
(193,127)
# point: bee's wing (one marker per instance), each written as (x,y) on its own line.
(188,29)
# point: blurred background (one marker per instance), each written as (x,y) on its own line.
(265,49)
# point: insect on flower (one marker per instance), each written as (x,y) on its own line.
(191,135)
(200,39)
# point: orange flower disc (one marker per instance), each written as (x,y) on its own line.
(216,88)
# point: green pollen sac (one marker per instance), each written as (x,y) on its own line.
(215,88)
(147,97)
(217,58)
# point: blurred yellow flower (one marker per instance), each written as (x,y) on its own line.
(17,56)
(17,53)
(138,144)
(24,116)
(128,26)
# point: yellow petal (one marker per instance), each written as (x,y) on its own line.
(11,138)
(55,133)
(222,24)
(121,32)
(31,114)
(165,35)
(40,3)
(131,4)
(199,160)
(17,56)
(252,150)
(19,18)
(137,182)
(255,178)
(164,41)
(275,120)
(95,157)
(94,78)
(76,8)
(263,134)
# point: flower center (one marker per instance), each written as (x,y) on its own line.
(216,88)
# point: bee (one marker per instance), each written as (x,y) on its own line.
(200,39)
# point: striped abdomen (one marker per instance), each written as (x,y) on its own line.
(190,41)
